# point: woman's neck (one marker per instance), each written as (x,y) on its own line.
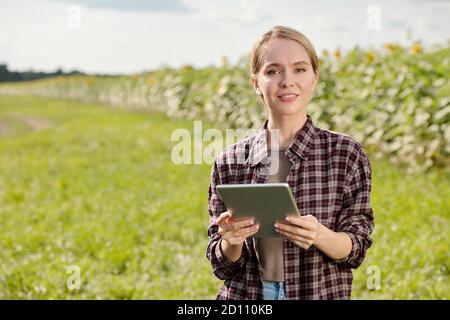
(288,127)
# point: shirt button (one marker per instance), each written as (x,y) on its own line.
(291,279)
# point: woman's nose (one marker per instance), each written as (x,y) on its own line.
(287,80)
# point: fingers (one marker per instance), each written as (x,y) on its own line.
(306,222)
(241,234)
(223,217)
(300,230)
(237,235)
(236,225)
(297,239)
(295,230)
(226,221)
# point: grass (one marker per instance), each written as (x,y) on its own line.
(94,187)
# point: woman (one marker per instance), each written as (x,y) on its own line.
(329,174)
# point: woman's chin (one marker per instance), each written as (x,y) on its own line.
(286,110)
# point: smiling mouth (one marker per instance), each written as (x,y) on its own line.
(287,98)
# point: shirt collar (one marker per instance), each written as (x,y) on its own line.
(299,147)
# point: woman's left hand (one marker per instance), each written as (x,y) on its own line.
(304,231)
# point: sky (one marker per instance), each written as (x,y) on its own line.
(131,36)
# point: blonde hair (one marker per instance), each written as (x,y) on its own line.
(281,32)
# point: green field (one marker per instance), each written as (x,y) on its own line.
(93,186)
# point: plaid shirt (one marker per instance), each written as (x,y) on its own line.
(330,179)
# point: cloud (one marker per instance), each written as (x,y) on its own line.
(335,22)
(232,13)
(396,22)
(35,34)
(131,5)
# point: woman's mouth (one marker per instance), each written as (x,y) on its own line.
(287,98)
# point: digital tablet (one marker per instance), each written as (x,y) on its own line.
(266,202)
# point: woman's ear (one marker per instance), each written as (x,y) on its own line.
(315,81)
(255,85)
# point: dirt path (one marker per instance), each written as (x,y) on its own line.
(36,124)
(4,130)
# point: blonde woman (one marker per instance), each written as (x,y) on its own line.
(329,174)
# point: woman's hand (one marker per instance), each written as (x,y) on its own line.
(235,231)
(304,231)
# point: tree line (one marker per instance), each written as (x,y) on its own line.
(7,75)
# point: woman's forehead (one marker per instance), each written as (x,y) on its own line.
(281,51)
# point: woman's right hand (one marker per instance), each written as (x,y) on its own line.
(235,231)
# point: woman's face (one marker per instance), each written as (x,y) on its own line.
(286,78)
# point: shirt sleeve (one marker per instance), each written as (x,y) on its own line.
(222,267)
(356,217)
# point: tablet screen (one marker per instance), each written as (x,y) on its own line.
(267,203)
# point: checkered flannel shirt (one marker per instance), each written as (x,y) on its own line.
(330,179)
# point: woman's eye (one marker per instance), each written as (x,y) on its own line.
(301,70)
(273,71)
